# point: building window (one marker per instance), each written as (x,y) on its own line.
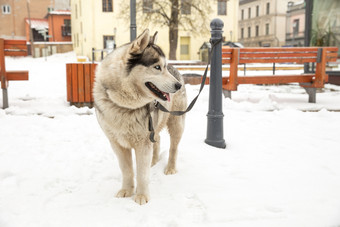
(257,11)
(249,12)
(249,32)
(186,7)
(267,29)
(242,14)
(77,40)
(242,33)
(222,7)
(80,10)
(66,28)
(185,47)
(296,24)
(107,6)
(268,8)
(108,41)
(147,6)
(257,30)
(6,9)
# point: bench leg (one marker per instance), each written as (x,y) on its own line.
(4,98)
(311,91)
(226,93)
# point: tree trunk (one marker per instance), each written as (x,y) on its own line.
(173,29)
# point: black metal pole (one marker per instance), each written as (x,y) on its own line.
(308,28)
(215,114)
(92,55)
(133,27)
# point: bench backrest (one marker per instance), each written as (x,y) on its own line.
(10,48)
(15,47)
(298,55)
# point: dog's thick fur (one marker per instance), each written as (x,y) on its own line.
(127,83)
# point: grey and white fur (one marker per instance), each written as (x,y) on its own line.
(126,84)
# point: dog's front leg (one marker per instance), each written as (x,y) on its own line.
(143,164)
(125,163)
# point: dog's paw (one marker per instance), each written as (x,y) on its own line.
(154,161)
(170,170)
(141,199)
(124,193)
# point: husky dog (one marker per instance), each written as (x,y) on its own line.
(128,83)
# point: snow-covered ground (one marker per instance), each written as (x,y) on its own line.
(281,166)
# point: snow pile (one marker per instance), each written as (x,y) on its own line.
(280,168)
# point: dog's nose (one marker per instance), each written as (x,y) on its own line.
(178,86)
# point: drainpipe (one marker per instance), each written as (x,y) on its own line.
(30,28)
(308,27)
(133,27)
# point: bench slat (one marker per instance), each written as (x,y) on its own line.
(281,79)
(15,53)
(332,54)
(15,42)
(279,49)
(17,75)
(278,55)
(279,60)
(15,47)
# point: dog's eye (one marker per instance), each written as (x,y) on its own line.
(158,67)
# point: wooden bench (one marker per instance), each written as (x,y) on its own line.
(80,79)
(298,55)
(11,48)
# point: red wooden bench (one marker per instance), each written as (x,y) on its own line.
(11,48)
(80,79)
(298,55)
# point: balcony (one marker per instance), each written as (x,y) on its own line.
(295,36)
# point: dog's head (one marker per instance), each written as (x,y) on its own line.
(147,62)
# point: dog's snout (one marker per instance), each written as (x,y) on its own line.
(178,86)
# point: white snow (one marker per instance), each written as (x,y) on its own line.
(281,166)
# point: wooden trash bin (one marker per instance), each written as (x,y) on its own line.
(80,79)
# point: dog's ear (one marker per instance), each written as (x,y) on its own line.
(142,41)
(153,39)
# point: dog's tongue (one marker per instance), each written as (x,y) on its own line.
(167,96)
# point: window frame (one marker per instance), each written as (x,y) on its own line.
(185,7)
(268,8)
(147,6)
(222,7)
(267,29)
(107,6)
(6,9)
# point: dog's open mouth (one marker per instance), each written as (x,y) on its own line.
(160,94)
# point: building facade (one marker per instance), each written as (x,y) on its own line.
(48,20)
(295,24)
(100,25)
(262,23)
(13,14)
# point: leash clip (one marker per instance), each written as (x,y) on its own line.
(155,103)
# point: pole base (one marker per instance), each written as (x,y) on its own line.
(216,143)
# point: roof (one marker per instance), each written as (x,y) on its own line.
(60,12)
(38,24)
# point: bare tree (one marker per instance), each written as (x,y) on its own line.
(186,15)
